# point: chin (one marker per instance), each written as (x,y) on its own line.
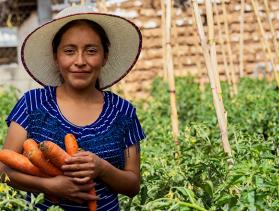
(81,85)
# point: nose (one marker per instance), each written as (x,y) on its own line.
(80,60)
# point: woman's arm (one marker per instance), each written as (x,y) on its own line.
(128,181)
(61,186)
(85,166)
(14,141)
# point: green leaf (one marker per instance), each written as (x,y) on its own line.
(188,194)
(143,195)
(208,188)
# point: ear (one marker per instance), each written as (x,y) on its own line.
(105,59)
(55,59)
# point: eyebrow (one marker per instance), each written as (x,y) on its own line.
(86,46)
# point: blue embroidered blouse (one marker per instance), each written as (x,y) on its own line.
(115,130)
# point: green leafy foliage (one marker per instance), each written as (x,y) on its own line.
(8,98)
(194,175)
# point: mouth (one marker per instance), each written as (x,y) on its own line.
(80,72)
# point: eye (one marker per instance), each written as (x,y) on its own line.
(69,51)
(91,51)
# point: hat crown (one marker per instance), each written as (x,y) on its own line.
(125,39)
(74,10)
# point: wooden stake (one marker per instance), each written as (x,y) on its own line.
(197,56)
(211,42)
(171,80)
(241,40)
(273,33)
(266,61)
(163,28)
(265,39)
(213,55)
(224,57)
(218,104)
(229,49)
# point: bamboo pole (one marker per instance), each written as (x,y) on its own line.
(213,55)
(266,61)
(241,40)
(273,33)
(171,80)
(224,57)
(197,60)
(163,28)
(265,39)
(212,49)
(229,48)
(218,104)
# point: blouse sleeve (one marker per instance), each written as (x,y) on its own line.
(135,132)
(19,114)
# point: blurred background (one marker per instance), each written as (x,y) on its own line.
(19,17)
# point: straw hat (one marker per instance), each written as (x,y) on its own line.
(124,36)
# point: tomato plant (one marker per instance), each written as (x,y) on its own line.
(194,175)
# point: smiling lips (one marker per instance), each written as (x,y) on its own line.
(82,72)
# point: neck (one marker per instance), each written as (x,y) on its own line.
(88,94)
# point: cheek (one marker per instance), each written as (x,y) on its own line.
(97,61)
(63,63)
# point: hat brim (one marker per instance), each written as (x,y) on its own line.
(125,39)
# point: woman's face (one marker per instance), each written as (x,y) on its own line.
(80,56)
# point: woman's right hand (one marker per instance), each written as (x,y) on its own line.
(65,187)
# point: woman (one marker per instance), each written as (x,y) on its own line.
(75,57)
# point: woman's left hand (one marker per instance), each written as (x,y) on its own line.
(83,167)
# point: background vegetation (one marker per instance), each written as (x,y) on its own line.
(194,175)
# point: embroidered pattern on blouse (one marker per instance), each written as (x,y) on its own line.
(108,145)
(115,130)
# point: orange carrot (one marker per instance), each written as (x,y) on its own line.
(72,148)
(54,153)
(71,144)
(36,156)
(19,162)
(25,153)
(92,204)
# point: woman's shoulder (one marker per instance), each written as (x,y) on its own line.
(36,97)
(38,92)
(121,105)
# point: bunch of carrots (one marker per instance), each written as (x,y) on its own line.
(43,160)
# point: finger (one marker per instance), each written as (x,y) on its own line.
(85,187)
(79,201)
(77,159)
(87,196)
(78,167)
(85,173)
(83,180)
(82,153)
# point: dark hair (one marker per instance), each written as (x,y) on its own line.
(93,25)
